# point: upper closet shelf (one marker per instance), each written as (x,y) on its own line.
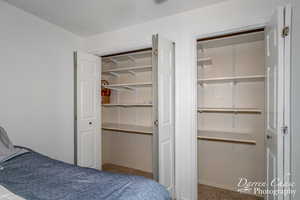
(230,110)
(127,128)
(127,70)
(127,86)
(232,79)
(127,105)
(115,59)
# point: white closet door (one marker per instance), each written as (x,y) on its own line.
(164,70)
(87,116)
(275,107)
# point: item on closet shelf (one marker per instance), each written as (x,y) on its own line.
(105,92)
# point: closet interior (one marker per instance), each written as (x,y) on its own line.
(127,110)
(231,119)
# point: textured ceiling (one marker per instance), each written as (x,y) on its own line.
(90,17)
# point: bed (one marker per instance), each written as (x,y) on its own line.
(33,176)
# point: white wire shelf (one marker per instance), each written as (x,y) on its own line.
(232,79)
(127,105)
(127,70)
(230,110)
(128,86)
(127,128)
(226,136)
(129,56)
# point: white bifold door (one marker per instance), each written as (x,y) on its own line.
(164,115)
(277,101)
(87,110)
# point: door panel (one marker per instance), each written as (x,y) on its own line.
(164,70)
(88,89)
(87,141)
(275,96)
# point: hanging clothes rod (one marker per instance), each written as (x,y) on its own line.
(127,52)
(230,34)
(219,139)
(230,110)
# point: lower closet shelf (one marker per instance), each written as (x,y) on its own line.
(127,105)
(127,128)
(226,136)
(230,110)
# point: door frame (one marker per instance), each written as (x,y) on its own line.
(194,117)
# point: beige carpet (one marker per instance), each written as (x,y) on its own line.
(204,192)
(212,193)
(125,170)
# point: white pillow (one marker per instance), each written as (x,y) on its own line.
(5,194)
(7,149)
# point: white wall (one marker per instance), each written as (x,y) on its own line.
(182,28)
(36,83)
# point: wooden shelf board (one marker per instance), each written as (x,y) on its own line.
(226,136)
(128,70)
(230,79)
(204,61)
(127,128)
(230,110)
(227,132)
(250,142)
(127,105)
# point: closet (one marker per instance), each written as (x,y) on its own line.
(124,113)
(127,119)
(231,104)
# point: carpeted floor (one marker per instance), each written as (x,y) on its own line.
(204,192)
(125,170)
(212,193)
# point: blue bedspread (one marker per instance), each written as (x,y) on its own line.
(34,176)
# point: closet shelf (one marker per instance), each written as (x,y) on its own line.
(230,110)
(127,128)
(127,105)
(127,70)
(204,61)
(217,139)
(128,86)
(232,79)
(129,56)
(225,136)
(220,132)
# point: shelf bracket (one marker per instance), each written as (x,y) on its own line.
(113,61)
(114,88)
(131,72)
(131,58)
(114,74)
(129,88)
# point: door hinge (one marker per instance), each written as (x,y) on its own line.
(155,52)
(285,31)
(156,122)
(284,130)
